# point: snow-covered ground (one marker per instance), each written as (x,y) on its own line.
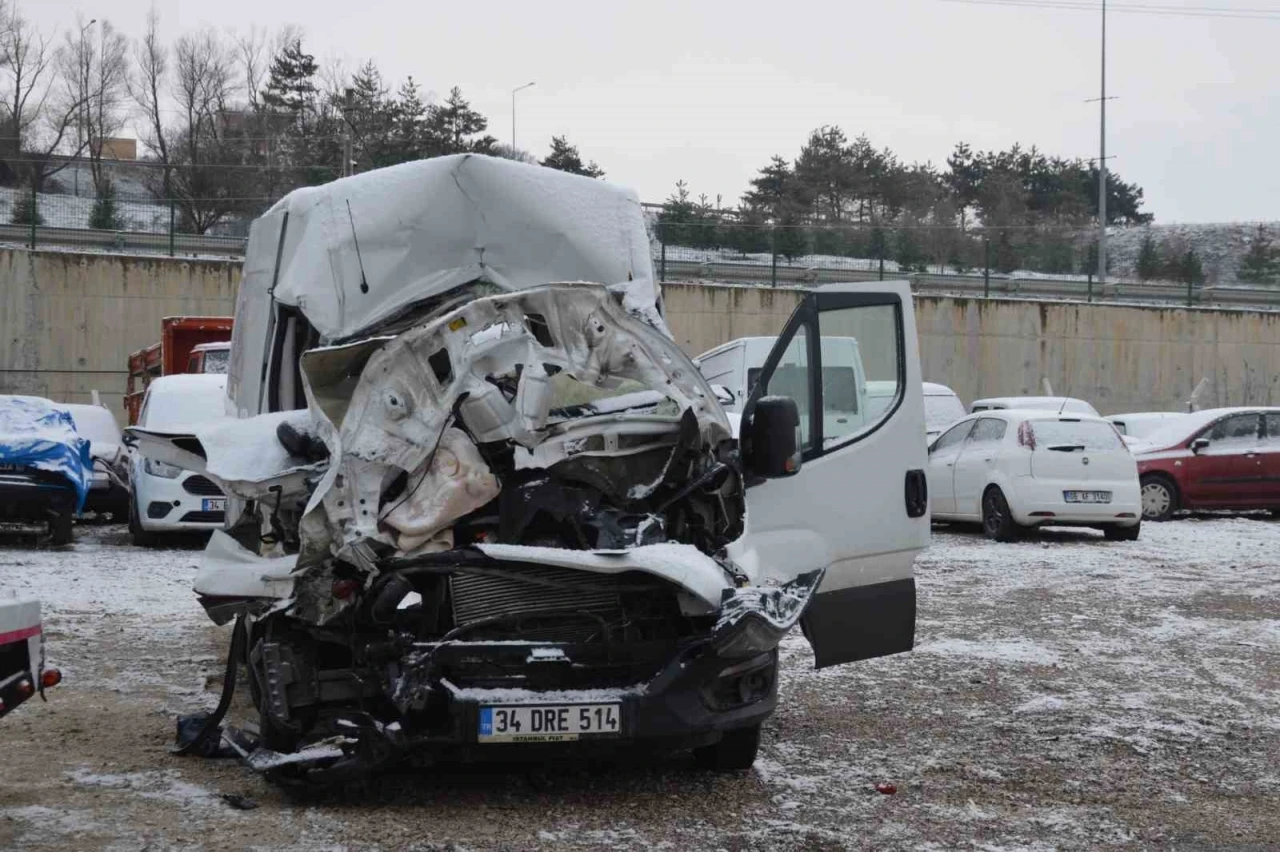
(1065,693)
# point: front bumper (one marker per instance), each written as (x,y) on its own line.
(28,500)
(682,707)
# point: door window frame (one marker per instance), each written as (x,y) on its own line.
(809,314)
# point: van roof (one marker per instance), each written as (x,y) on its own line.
(359,251)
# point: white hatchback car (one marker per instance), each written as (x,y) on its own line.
(1014,468)
(165,498)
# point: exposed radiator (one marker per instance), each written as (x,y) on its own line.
(535,591)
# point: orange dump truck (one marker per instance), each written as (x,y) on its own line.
(187,345)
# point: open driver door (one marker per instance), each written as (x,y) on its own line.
(853,499)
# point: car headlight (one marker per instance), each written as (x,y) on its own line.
(164,470)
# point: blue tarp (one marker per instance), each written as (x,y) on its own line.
(35,433)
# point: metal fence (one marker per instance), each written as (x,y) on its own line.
(1036,262)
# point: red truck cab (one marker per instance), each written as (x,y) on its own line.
(187,345)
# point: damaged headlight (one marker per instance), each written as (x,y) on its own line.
(164,470)
(744,683)
(754,619)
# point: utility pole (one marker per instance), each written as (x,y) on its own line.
(346,133)
(513,114)
(1102,159)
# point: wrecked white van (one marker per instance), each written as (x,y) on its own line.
(483,506)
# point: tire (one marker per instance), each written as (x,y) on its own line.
(997,521)
(1119,533)
(139,536)
(1159,498)
(61,530)
(735,752)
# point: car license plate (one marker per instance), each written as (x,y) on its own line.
(215,504)
(1087,496)
(549,723)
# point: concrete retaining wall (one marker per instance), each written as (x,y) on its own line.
(1120,358)
(70,320)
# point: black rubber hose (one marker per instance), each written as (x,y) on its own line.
(213,725)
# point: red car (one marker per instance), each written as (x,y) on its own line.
(1223,458)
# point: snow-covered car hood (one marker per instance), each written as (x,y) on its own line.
(363,249)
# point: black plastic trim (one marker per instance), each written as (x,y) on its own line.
(861,622)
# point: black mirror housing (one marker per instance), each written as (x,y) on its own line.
(775,438)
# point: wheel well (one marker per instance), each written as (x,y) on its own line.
(1167,480)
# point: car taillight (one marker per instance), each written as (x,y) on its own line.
(50,678)
(1026,435)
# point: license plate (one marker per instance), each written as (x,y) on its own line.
(1087,496)
(215,504)
(549,723)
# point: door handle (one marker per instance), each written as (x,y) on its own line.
(916,492)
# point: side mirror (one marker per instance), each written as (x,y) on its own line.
(724,396)
(1199,444)
(775,438)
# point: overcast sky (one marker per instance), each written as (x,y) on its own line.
(707,90)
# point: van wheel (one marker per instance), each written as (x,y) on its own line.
(60,528)
(1116,532)
(139,536)
(997,521)
(735,752)
(1159,498)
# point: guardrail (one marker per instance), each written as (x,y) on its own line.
(726,272)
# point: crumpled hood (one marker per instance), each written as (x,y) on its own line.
(360,250)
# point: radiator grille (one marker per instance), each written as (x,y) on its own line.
(534,592)
(201,485)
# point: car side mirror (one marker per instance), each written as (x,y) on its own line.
(1199,444)
(775,438)
(723,395)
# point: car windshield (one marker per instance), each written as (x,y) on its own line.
(941,411)
(1090,435)
(217,360)
(184,405)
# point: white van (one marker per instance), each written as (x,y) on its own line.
(475,507)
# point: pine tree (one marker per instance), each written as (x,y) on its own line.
(1188,269)
(291,82)
(1149,263)
(565,157)
(1261,264)
(26,211)
(451,126)
(676,221)
(105,215)
(410,120)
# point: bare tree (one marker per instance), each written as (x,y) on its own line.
(147,86)
(34,121)
(95,71)
(210,179)
(251,52)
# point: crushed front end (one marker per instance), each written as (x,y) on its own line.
(503,528)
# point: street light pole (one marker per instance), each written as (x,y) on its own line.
(513,114)
(1102,159)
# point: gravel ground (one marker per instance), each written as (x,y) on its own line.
(1065,693)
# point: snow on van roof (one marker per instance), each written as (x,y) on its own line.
(358,251)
